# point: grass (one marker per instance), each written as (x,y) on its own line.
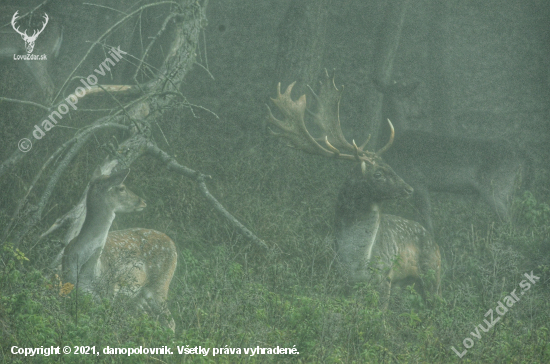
(227,293)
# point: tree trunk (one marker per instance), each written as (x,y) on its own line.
(387,43)
(301,44)
(440,108)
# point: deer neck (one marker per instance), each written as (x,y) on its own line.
(362,228)
(88,245)
(356,236)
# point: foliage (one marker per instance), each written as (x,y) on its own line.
(531,211)
(222,299)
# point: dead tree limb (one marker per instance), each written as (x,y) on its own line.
(173,165)
(154,97)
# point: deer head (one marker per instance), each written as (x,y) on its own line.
(29,40)
(110,193)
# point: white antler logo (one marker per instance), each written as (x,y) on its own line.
(29,41)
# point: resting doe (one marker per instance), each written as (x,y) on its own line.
(139,263)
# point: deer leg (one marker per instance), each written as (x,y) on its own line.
(430,261)
(429,287)
(385,289)
(166,316)
(498,202)
(147,300)
(497,188)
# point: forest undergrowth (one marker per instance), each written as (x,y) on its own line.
(227,293)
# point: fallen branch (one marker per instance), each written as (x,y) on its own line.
(173,165)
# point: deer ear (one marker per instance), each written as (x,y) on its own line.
(118,178)
(363,167)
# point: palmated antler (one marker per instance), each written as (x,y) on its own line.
(293,125)
(327,119)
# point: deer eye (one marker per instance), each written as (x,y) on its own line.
(377,175)
(121,188)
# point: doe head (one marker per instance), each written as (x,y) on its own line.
(110,193)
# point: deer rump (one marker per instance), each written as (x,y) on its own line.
(438,163)
(128,262)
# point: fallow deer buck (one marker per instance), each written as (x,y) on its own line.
(370,245)
(139,263)
(45,40)
(443,163)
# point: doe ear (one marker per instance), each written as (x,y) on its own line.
(118,178)
(105,182)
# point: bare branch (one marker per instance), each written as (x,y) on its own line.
(104,35)
(82,139)
(173,165)
(24,102)
(151,43)
(155,97)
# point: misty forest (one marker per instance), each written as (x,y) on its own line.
(245,181)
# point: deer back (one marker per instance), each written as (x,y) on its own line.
(451,163)
(140,258)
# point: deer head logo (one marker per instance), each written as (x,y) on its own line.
(29,40)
